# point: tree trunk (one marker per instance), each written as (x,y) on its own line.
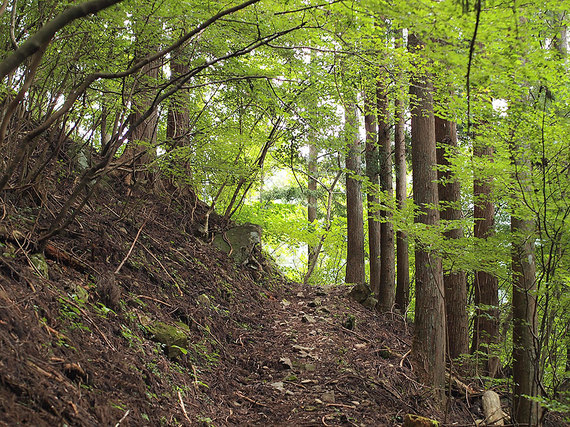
(141,148)
(372,171)
(403,265)
(486,322)
(428,348)
(387,269)
(312,203)
(355,272)
(525,357)
(455,284)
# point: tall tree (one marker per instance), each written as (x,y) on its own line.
(429,344)
(403,265)
(355,272)
(312,202)
(486,285)
(388,266)
(455,284)
(526,410)
(372,172)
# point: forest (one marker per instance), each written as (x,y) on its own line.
(416,151)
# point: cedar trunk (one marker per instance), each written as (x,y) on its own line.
(486,322)
(428,348)
(454,282)
(388,265)
(403,265)
(355,272)
(372,172)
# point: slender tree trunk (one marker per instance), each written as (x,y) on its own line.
(525,357)
(355,272)
(455,284)
(372,171)
(388,266)
(403,265)
(312,203)
(428,348)
(486,322)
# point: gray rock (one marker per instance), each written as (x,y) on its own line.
(360,292)
(370,302)
(244,239)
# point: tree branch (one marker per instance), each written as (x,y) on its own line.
(45,34)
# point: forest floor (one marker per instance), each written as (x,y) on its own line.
(80,346)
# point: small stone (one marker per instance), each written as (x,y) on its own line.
(316,302)
(300,295)
(355,402)
(285,303)
(203,299)
(308,319)
(40,264)
(310,367)
(278,385)
(328,396)
(286,363)
(359,346)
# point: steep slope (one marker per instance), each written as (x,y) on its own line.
(181,334)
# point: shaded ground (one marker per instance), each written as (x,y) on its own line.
(79,346)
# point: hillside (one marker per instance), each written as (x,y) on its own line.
(246,346)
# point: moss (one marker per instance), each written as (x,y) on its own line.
(174,338)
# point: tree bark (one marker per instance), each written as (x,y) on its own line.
(403,265)
(454,282)
(312,202)
(355,272)
(141,148)
(525,357)
(486,322)
(388,265)
(372,172)
(428,348)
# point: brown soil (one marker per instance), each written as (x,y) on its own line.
(261,351)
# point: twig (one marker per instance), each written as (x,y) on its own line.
(154,299)
(183,408)
(164,269)
(131,248)
(404,358)
(250,400)
(341,405)
(124,417)
(323,420)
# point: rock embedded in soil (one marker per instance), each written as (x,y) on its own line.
(492,408)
